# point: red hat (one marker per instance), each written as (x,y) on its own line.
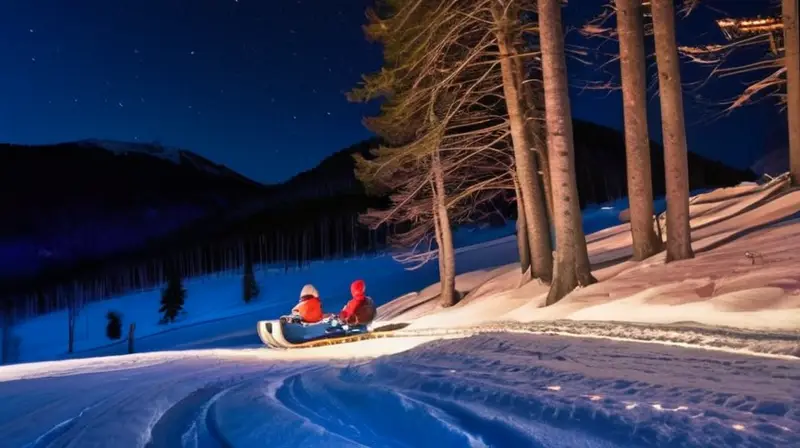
(358,288)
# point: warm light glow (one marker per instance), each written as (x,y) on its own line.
(737,27)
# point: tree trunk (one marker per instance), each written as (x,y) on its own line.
(131,337)
(538,229)
(71,316)
(637,139)
(679,237)
(537,134)
(572,259)
(792,57)
(446,252)
(522,232)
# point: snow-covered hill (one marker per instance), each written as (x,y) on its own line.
(174,155)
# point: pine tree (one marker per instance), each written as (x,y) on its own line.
(114,325)
(454,117)
(173,297)
(572,268)
(679,237)
(250,289)
(637,140)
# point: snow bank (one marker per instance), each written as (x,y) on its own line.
(744,275)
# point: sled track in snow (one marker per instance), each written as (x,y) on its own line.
(784,345)
(190,421)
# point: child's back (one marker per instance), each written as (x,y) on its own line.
(309,309)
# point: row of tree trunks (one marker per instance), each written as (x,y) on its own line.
(560,198)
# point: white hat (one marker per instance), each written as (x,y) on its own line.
(309,290)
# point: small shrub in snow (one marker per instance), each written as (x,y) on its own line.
(114,325)
(172,298)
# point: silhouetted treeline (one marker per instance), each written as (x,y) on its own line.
(283,248)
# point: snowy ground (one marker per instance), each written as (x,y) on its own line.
(511,390)
(577,380)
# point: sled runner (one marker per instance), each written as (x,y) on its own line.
(280,333)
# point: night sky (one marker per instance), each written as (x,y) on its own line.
(256,85)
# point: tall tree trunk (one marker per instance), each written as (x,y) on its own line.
(522,232)
(538,229)
(446,253)
(791,47)
(637,139)
(572,259)
(537,134)
(679,237)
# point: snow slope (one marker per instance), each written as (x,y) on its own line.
(744,275)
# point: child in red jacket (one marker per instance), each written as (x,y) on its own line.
(360,310)
(309,309)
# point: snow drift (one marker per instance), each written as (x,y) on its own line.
(744,276)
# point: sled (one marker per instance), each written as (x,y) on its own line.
(280,334)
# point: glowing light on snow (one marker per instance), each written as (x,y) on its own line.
(658,407)
(554,388)
(738,427)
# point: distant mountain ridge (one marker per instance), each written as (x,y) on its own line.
(93,198)
(174,155)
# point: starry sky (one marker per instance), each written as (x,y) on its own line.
(256,85)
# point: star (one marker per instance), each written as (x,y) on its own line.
(191,52)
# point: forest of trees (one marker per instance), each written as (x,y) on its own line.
(475,101)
